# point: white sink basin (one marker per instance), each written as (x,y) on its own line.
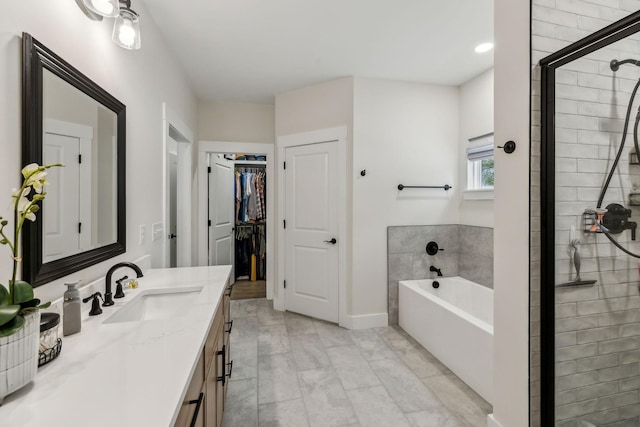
(154,304)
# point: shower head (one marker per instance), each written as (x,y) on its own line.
(615,64)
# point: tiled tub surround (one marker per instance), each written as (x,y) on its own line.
(291,370)
(467,251)
(597,329)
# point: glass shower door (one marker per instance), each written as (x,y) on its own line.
(590,333)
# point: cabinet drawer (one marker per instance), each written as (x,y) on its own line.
(189,404)
(216,329)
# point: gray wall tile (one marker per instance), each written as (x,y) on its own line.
(467,251)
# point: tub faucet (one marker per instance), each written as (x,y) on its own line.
(436,270)
(108,299)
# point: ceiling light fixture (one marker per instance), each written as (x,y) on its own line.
(484,47)
(105,8)
(126,28)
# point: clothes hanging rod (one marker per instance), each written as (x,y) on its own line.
(445,187)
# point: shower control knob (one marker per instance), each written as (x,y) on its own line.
(508,147)
(432,248)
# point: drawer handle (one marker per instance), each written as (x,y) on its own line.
(228,292)
(230,326)
(222,378)
(230,365)
(198,403)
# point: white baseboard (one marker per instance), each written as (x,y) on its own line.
(365,321)
(492,422)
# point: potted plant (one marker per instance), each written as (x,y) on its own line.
(19,309)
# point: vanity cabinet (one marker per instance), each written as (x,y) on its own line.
(203,405)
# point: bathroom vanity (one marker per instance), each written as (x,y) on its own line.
(160,362)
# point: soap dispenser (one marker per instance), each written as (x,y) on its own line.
(71,321)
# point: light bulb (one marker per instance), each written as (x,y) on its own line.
(484,47)
(104,7)
(126,30)
(127,34)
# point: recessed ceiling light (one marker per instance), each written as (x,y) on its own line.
(484,47)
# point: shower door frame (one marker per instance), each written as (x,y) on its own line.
(604,37)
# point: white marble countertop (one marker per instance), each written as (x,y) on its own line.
(132,374)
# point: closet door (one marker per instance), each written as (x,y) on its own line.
(312,229)
(221,211)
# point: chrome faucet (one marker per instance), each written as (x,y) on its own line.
(108,299)
(436,270)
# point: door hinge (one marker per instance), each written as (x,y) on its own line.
(79,158)
(285,284)
(284,164)
(209,169)
(284,223)
(79,228)
(209,223)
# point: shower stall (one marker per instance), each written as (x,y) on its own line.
(590,250)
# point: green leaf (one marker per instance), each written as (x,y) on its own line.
(4,296)
(33,303)
(12,327)
(7,314)
(45,305)
(22,292)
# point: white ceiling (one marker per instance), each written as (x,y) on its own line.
(250,50)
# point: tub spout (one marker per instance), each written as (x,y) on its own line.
(436,270)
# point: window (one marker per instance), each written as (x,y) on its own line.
(480,163)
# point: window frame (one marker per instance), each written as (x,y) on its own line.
(478,149)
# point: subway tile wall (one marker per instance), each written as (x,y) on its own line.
(597,331)
(466,251)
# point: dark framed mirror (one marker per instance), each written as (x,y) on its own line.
(69,119)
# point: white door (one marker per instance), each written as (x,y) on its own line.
(61,223)
(173,209)
(221,211)
(311,265)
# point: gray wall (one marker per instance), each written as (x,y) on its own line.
(467,251)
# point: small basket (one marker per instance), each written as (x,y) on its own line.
(49,354)
(50,341)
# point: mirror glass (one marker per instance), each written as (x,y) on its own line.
(69,119)
(79,212)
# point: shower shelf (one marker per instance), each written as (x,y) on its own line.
(589,221)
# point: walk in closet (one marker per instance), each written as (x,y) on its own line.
(251,215)
(237,218)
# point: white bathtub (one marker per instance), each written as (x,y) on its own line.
(455,323)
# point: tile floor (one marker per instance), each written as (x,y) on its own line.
(294,371)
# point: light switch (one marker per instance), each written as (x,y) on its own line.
(142,231)
(157,231)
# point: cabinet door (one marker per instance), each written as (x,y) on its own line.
(194,395)
(211,383)
(227,337)
(210,344)
(222,379)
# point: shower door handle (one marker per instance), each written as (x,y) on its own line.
(333,241)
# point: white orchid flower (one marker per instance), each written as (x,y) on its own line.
(16,193)
(24,206)
(29,169)
(39,183)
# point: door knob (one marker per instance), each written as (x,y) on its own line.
(333,241)
(172,236)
